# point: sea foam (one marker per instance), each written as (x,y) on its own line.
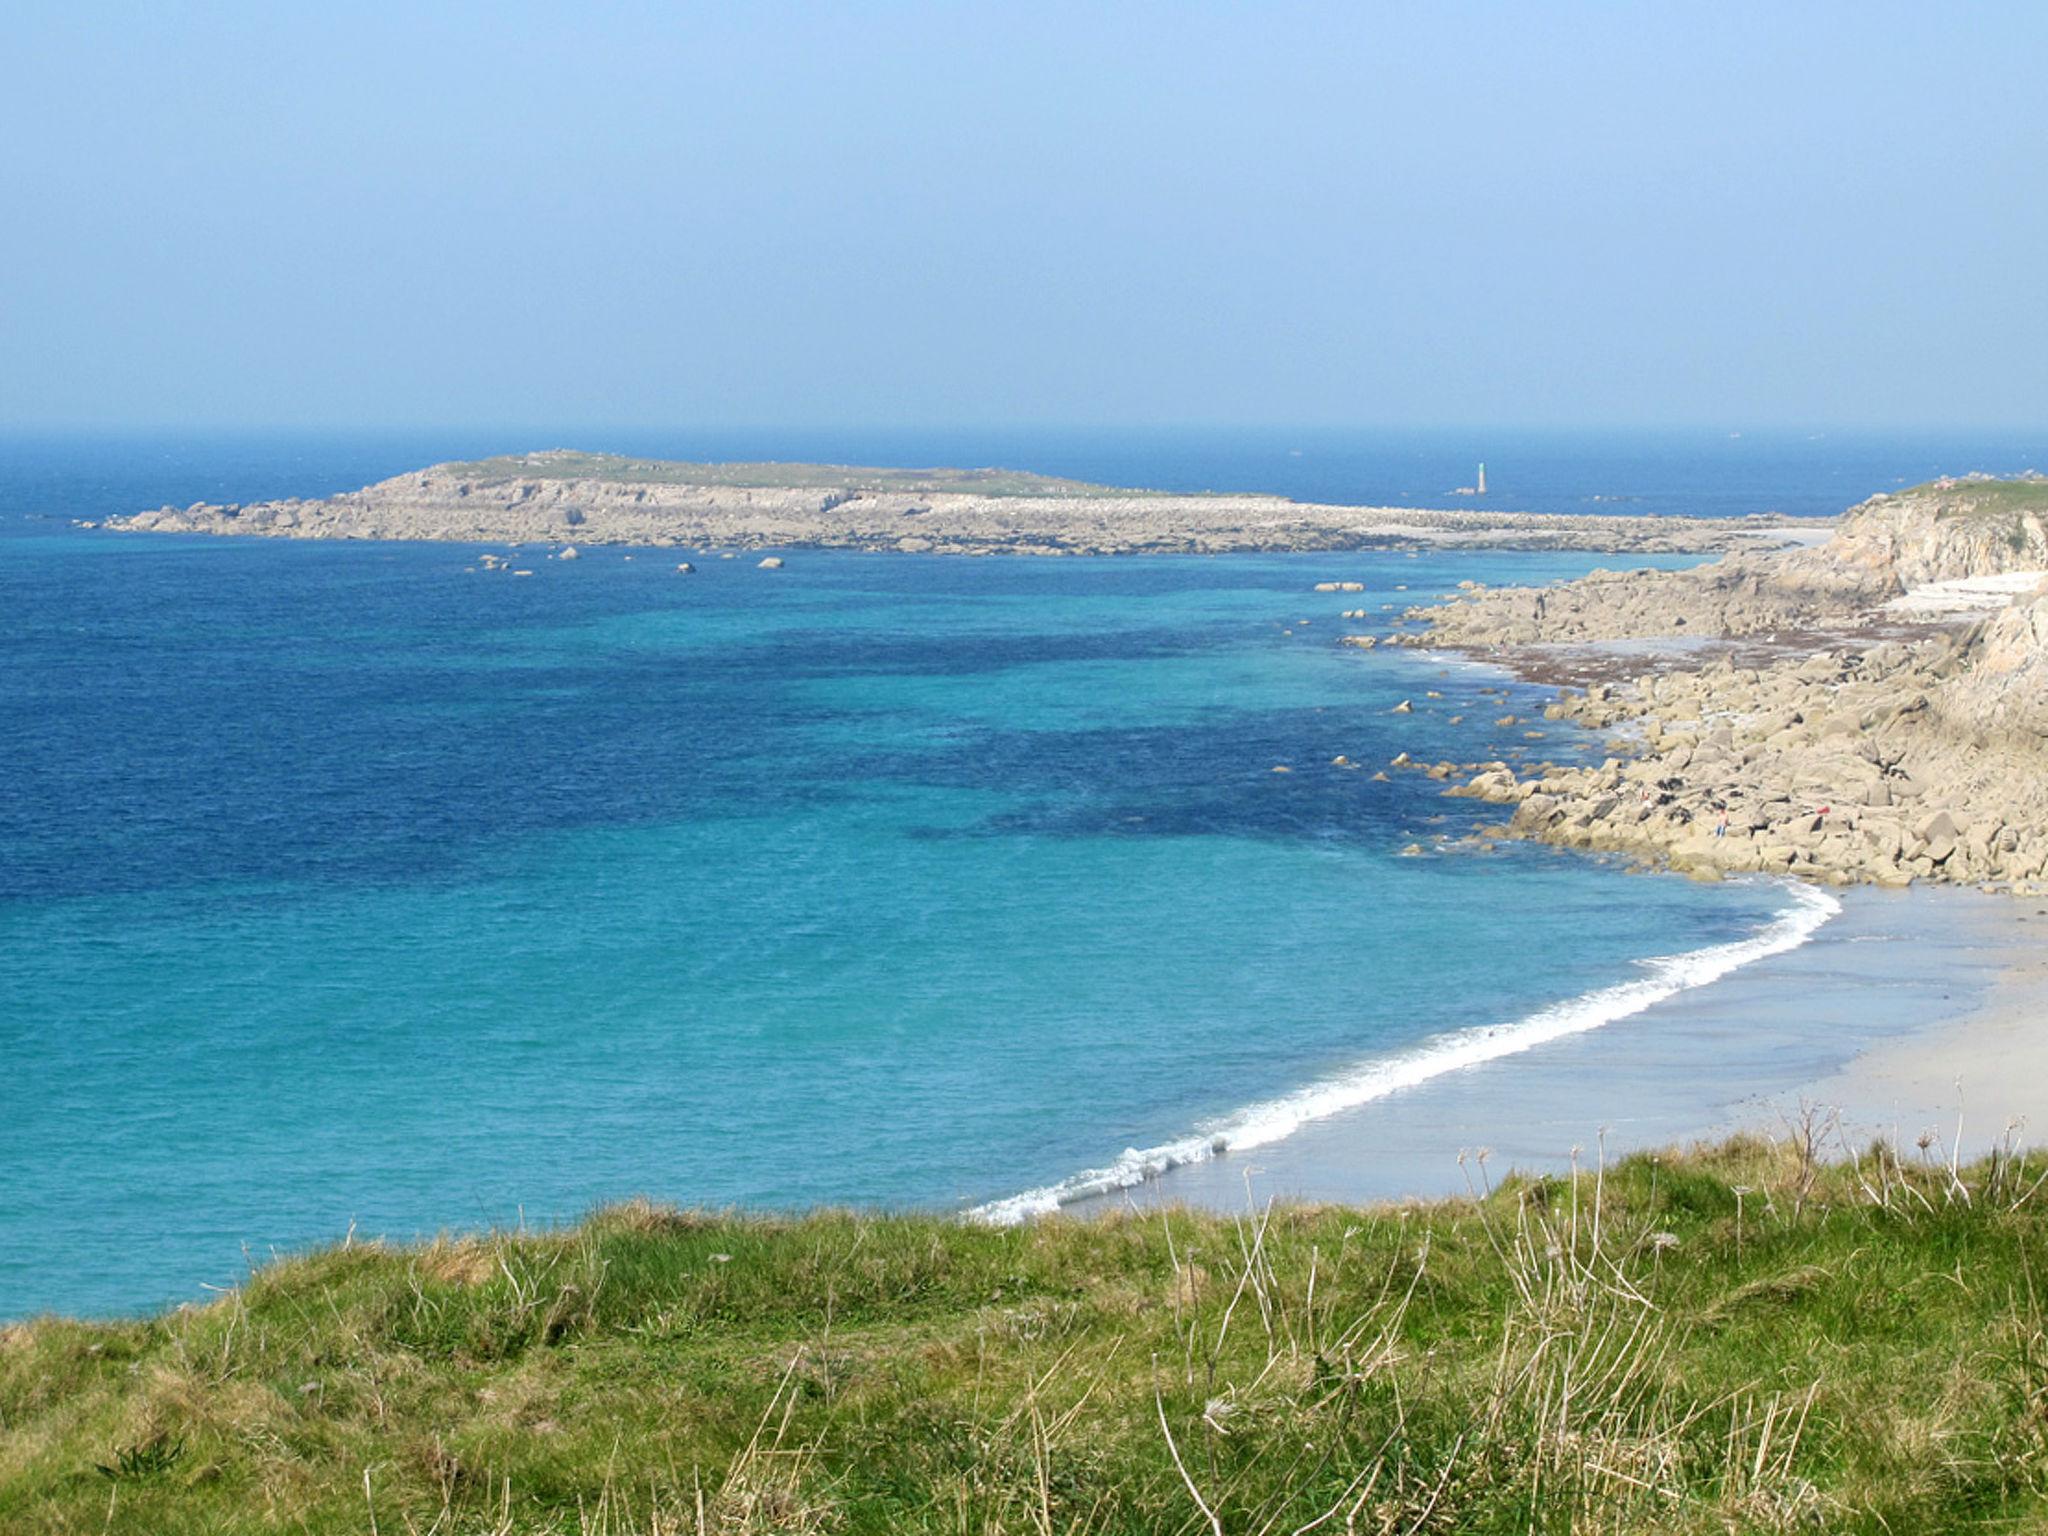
(1257,1125)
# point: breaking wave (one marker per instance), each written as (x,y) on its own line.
(1257,1125)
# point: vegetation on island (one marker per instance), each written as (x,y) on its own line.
(567,464)
(1746,1338)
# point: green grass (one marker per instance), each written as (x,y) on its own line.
(561,464)
(1742,1339)
(1986,498)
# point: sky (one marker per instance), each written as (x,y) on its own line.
(663,214)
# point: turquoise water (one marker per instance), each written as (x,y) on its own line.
(344,885)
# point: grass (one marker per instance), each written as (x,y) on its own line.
(1746,1338)
(563,464)
(1986,498)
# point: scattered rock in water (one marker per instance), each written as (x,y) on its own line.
(772,563)
(1405,707)
(687,569)
(569,553)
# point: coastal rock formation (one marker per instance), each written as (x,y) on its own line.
(600,499)
(1851,749)
(1880,552)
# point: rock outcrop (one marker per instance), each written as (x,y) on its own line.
(1881,550)
(557,496)
(1903,753)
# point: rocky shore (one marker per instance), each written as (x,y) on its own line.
(565,497)
(1809,713)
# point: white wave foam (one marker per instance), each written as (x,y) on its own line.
(1260,1124)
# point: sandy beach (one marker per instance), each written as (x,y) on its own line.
(1898,999)
(1982,1068)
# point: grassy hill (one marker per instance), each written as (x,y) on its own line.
(1742,1339)
(564,464)
(1984,496)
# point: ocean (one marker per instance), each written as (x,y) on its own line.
(349,888)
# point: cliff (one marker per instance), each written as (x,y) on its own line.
(1881,551)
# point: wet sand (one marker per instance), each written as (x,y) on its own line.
(1877,1017)
(1984,1070)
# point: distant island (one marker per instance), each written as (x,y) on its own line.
(1862,700)
(561,496)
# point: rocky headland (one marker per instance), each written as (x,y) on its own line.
(1871,709)
(566,497)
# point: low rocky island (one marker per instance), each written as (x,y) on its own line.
(1872,709)
(1858,702)
(561,496)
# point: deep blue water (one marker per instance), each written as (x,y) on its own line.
(346,883)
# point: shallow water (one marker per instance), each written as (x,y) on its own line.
(1753,1052)
(339,883)
(343,884)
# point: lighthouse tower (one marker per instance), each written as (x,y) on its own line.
(1481,486)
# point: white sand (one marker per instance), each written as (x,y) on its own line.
(1985,1071)
(1878,1017)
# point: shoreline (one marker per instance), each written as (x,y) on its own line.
(1870,1023)
(1983,1067)
(1871,710)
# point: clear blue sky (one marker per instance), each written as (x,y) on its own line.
(907,214)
